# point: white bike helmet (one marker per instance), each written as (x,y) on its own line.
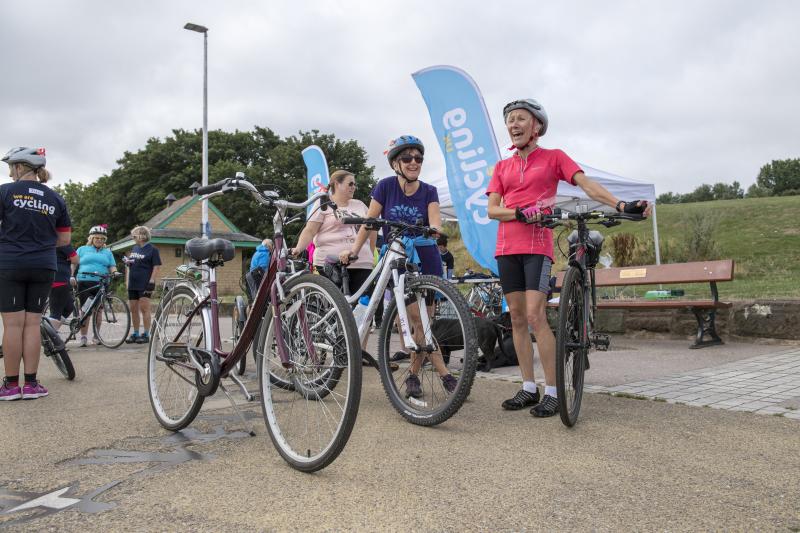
(531,105)
(33,157)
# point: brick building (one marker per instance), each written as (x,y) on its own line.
(179,222)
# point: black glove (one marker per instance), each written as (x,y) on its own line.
(150,287)
(636,207)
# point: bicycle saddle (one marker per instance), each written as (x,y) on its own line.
(201,249)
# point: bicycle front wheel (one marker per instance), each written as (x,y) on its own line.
(170,376)
(111,322)
(54,349)
(419,391)
(311,406)
(571,346)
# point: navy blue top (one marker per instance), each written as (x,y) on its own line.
(398,206)
(140,266)
(31,215)
(63,265)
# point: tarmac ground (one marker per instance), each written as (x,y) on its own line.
(92,457)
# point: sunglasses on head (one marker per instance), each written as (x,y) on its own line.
(418,159)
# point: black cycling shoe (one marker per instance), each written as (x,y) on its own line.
(547,407)
(399,356)
(521,400)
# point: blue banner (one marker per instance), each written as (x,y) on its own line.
(465,135)
(316,172)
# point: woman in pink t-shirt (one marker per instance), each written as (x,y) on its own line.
(521,188)
(331,236)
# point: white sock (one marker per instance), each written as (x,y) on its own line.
(529,386)
(550,391)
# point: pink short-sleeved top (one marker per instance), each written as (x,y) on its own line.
(531,182)
(333,236)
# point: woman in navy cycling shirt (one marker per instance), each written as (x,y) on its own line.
(33,221)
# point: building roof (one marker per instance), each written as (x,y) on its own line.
(161,233)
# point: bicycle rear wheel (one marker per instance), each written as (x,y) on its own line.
(171,378)
(111,322)
(311,407)
(54,348)
(571,346)
(455,342)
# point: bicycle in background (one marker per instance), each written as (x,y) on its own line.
(110,315)
(309,363)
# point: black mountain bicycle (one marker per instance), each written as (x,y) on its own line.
(110,315)
(575,334)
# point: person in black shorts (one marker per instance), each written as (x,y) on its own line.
(522,188)
(61,301)
(33,222)
(144,262)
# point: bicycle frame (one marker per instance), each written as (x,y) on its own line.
(385,268)
(83,318)
(270,289)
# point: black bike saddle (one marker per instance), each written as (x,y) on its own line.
(201,249)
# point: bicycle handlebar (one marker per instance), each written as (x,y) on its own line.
(268,198)
(558,215)
(374,222)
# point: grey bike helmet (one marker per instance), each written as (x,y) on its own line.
(531,105)
(401,143)
(33,157)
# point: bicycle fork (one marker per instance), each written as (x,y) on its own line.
(402,316)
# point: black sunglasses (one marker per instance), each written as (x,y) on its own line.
(418,159)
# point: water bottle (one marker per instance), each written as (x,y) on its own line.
(86,305)
(360,311)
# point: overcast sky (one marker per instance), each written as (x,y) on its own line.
(675,93)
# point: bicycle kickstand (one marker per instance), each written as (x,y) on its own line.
(247,425)
(238,381)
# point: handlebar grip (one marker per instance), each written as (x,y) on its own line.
(353,220)
(214,187)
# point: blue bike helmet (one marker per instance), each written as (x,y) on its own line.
(401,143)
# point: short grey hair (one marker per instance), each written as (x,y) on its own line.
(143,232)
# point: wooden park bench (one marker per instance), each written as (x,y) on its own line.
(705,311)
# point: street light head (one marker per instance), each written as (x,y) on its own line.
(195,27)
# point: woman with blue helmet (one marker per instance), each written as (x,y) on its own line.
(403,197)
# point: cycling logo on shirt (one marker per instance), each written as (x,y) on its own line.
(29,203)
(410,214)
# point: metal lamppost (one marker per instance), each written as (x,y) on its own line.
(202,29)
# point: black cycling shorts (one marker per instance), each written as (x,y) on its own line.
(61,303)
(25,290)
(524,272)
(135,295)
(356,278)
(87,289)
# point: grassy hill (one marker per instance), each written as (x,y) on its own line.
(762,236)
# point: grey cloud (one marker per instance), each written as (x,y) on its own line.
(678,93)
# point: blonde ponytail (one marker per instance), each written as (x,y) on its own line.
(43,174)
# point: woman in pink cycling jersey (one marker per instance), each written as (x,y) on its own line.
(521,188)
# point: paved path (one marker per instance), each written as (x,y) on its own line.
(91,457)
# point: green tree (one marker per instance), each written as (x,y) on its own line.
(135,190)
(668,198)
(781,177)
